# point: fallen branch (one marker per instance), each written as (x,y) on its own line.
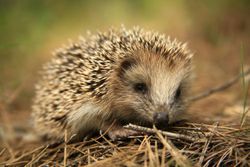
(219,88)
(152,131)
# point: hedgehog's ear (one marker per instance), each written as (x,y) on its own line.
(125,65)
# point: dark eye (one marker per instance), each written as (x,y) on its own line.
(178,93)
(140,87)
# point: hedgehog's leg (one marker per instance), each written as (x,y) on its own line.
(121,133)
(116,132)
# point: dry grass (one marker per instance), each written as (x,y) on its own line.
(215,145)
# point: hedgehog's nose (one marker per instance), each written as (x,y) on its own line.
(161,119)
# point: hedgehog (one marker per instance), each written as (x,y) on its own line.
(109,79)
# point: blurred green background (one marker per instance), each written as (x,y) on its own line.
(31,29)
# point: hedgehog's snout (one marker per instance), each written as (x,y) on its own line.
(160,119)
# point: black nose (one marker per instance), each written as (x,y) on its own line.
(160,119)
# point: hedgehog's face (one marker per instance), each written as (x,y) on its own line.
(151,89)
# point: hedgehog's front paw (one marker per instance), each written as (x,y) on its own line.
(121,133)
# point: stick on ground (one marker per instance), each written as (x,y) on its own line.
(221,87)
(165,133)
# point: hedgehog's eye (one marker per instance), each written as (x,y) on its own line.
(178,93)
(140,88)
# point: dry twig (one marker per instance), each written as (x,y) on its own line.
(165,133)
(219,88)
